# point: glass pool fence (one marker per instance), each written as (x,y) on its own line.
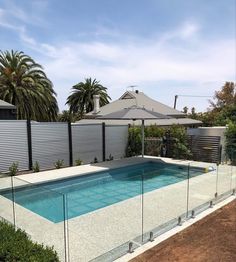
(118,220)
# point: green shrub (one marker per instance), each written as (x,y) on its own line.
(59,163)
(179,146)
(134,146)
(78,162)
(175,140)
(154,131)
(13,169)
(230,135)
(36,167)
(15,245)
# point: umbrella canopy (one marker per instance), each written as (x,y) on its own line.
(134,113)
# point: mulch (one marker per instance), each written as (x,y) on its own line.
(212,239)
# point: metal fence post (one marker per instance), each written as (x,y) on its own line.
(103,141)
(70,144)
(13,202)
(29,138)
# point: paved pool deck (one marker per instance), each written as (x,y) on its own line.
(93,234)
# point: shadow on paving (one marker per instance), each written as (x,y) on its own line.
(213,239)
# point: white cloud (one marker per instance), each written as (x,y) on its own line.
(189,30)
(13,14)
(118,66)
(181,55)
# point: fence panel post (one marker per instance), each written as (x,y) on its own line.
(29,138)
(103,142)
(70,144)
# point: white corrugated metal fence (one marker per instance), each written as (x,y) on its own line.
(50,142)
(87,142)
(13,144)
(116,141)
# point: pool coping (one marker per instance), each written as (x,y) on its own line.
(69,172)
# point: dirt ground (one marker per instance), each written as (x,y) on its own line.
(213,239)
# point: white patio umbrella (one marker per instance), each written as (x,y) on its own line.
(134,113)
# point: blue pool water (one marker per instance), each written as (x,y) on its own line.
(84,194)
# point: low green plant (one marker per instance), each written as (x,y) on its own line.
(13,169)
(110,158)
(78,162)
(36,167)
(15,245)
(59,163)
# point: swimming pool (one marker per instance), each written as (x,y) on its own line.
(87,193)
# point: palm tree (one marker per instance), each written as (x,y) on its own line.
(67,116)
(24,84)
(81,99)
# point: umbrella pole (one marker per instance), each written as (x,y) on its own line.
(142,137)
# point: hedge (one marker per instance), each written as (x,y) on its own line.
(15,246)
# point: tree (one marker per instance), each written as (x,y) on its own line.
(67,116)
(24,84)
(222,109)
(225,97)
(81,99)
(185,110)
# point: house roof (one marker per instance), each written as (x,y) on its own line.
(5,105)
(131,98)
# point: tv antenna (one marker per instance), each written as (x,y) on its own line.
(131,86)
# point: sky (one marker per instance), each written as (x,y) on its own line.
(163,47)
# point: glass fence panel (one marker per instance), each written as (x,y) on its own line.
(225,179)
(41,213)
(6,205)
(226,173)
(165,196)
(202,185)
(104,214)
(233,166)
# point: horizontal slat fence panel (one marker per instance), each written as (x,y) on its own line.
(13,144)
(116,141)
(50,143)
(87,142)
(205,148)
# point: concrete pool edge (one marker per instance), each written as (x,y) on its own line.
(69,172)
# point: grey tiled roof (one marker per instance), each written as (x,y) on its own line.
(131,98)
(6,105)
